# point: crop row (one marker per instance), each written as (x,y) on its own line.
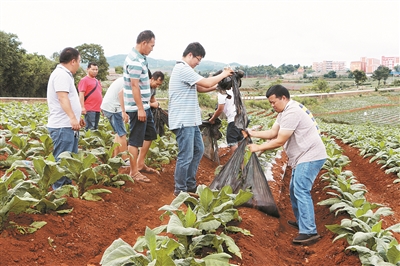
(380,144)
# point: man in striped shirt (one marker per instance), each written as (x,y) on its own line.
(184,114)
(137,95)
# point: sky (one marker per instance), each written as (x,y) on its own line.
(248,32)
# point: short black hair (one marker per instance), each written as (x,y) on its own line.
(196,49)
(91,64)
(279,91)
(158,74)
(68,54)
(145,36)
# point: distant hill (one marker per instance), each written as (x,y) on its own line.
(167,65)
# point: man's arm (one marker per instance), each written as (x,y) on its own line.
(66,106)
(122,103)
(153,102)
(137,97)
(277,142)
(82,101)
(217,113)
(209,84)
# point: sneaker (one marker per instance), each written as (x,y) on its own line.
(176,193)
(127,163)
(306,239)
(293,224)
(192,190)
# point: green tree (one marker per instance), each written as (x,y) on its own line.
(359,77)
(21,74)
(119,69)
(320,84)
(94,53)
(397,68)
(330,74)
(382,72)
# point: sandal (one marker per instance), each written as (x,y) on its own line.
(149,170)
(139,177)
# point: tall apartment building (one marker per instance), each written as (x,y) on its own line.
(326,66)
(371,64)
(357,65)
(390,62)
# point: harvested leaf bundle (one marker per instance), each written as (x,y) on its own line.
(211,134)
(160,117)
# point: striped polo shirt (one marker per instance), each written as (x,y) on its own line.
(183,106)
(135,67)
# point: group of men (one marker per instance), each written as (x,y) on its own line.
(295,129)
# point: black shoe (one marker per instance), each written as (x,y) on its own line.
(176,193)
(293,224)
(306,239)
(192,190)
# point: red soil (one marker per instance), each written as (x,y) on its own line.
(81,237)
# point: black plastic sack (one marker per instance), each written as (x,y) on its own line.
(250,177)
(230,173)
(160,118)
(241,119)
(234,82)
(255,180)
(211,134)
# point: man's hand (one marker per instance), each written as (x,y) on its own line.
(227,71)
(75,124)
(141,115)
(125,117)
(253,147)
(82,123)
(83,111)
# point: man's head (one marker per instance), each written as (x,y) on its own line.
(193,54)
(92,69)
(278,96)
(71,59)
(145,42)
(157,78)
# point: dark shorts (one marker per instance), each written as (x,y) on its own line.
(141,131)
(116,122)
(233,134)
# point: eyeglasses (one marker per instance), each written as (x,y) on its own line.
(198,58)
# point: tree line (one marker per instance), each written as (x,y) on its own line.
(26,75)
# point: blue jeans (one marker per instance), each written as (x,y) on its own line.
(116,121)
(92,120)
(303,177)
(64,139)
(191,149)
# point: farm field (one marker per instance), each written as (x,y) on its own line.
(82,236)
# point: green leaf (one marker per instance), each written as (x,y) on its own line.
(230,243)
(393,255)
(361,238)
(219,259)
(175,226)
(118,253)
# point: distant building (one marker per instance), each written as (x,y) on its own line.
(390,62)
(357,65)
(371,64)
(326,66)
